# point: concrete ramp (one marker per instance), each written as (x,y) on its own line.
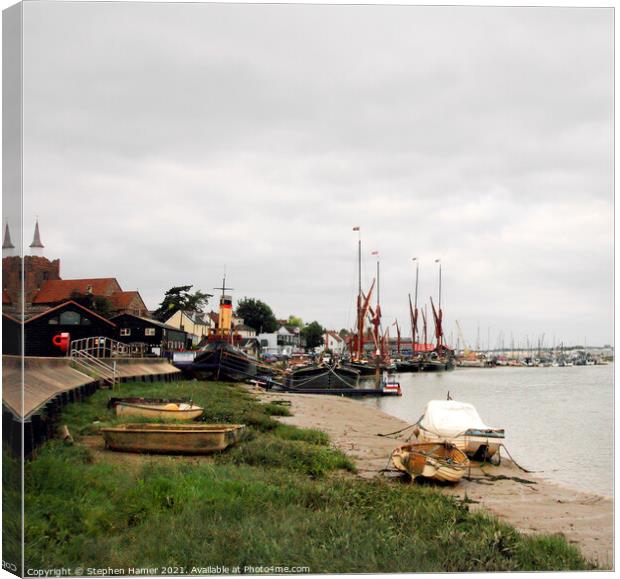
(47,378)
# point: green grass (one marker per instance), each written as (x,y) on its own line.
(280,498)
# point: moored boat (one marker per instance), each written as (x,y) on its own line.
(322,376)
(219,360)
(408,365)
(156,408)
(172,438)
(440,461)
(459,423)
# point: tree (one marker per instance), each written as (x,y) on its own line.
(295,321)
(343,333)
(99,304)
(313,334)
(180,298)
(257,315)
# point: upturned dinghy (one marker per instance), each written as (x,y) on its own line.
(156,408)
(442,462)
(172,438)
(459,423)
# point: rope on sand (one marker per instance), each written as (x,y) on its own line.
(403,429)
(515,462)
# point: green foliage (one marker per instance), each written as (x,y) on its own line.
(313,334)
(281,498)
(180,298)
(295,321)
(257,315)
(99,304)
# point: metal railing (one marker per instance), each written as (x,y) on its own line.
(95,367)
(102,347)
(96,356)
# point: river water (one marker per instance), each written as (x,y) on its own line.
(558,420)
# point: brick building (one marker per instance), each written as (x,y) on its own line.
(44,288)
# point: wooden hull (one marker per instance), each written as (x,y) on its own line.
(157,411)
(172,438)
(442,462)
(473,446)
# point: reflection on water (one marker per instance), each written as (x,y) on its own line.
(557,420)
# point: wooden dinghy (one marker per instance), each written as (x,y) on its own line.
(172,438)
(156,408)
(442,462)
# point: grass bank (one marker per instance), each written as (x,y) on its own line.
(283,498)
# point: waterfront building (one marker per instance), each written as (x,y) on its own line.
(69,317)
(138,329)
(333,342)
(198,325)
(44,288)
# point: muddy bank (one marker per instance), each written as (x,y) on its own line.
(530,504)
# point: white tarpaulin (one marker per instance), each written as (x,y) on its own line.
(450,418)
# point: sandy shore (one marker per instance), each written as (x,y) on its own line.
(586,520)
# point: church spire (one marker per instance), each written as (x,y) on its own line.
(7,243)
(36,246)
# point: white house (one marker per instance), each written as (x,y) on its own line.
(333,342)
(245,331)
(285,342)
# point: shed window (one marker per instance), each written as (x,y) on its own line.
(149,331)
(53,321)
(70,318)
(125,331)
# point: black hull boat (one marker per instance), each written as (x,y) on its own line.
(437,365)
(363,368)
(221,361)
(408,366)
(322,377)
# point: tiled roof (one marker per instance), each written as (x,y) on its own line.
(121,300)
(59,290)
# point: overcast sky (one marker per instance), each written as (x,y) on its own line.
(164,141)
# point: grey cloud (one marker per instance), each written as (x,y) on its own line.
(479,135)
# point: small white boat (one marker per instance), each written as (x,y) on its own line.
(156,409)
(440,461)
(459,423)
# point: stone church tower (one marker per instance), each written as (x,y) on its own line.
(37,269)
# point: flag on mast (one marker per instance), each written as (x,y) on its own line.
(375,253)
(356,228)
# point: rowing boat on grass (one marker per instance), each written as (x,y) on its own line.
(172,438)
(156,408)
(442,462)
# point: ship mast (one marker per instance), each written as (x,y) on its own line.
(360,310)
(414,330)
